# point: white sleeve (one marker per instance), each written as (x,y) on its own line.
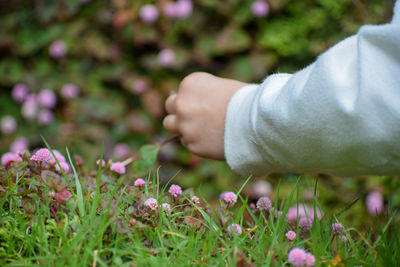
(340,115)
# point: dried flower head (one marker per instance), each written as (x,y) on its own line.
(264,203)
(305,223)
(337,228)
(195,200)
(234,229)
(62,195)
(166,208)
(151,203)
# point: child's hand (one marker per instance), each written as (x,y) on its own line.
(197,113)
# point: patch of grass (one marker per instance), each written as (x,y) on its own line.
(104,221)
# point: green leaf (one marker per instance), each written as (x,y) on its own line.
(232,40)
(147,159)
(11,71)
(31,39)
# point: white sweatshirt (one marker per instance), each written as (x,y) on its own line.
(340,115)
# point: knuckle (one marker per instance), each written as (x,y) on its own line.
(192,80)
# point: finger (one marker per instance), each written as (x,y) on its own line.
(171,124)
(170,104)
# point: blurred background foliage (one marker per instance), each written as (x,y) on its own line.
(111,67)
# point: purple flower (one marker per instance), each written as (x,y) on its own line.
(290,235)
(58,156)
(261,188)
(20,145)
(260,8)
(29,107)
(195,200)
(151,203)
(47,98)
(122,151)
(166,208)
(42,155)
(170,10)
(118,167)
(8,125)
(305,223)
(62,195)
(140,86)
(374,203)
(180,9)
(264,203)
(139,182)
(149,13)
(235,229)
(310,260)
(9,158)
(343,238)
(337,228)
(69,91)
(185,8)
(229,198)
(300,211)
(166,57)
(103,163)
(57,49)
(64,167)
(297,257)
(45,117)
(19,92)
(175,190)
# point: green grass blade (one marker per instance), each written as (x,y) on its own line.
(79,195)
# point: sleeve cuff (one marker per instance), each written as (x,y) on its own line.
(243,152)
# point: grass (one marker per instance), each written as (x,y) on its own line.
(104,223)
